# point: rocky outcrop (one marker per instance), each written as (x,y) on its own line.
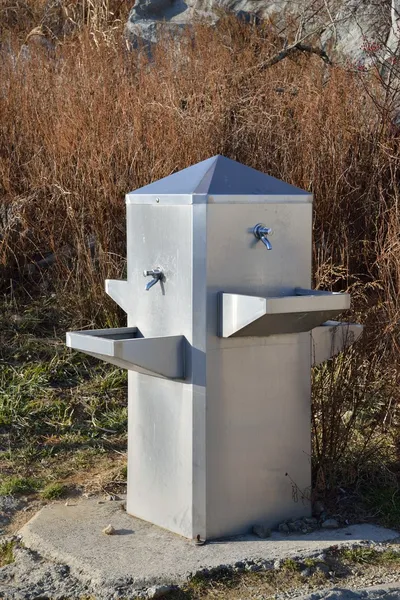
(344,27)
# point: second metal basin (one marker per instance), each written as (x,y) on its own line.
(248,316)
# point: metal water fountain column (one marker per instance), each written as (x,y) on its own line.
(222,332)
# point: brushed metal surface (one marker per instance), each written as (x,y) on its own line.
(126,348)
(167,420)
(242,315)
(160,453)
(118,291)
(258,429)
(219,180)
(228,446)
(331,338)
(258,388)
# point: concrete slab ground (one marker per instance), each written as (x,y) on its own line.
(143,555)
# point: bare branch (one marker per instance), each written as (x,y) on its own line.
(298,47)
(332,21)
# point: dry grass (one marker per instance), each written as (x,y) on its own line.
(85,120)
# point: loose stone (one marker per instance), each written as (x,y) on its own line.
(262,531)
(159,591)
(109,530)
(318,508)
(322,568)
(330,524)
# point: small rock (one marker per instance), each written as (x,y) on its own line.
(262,531)
(283,528)
(158,591)
(322,568)
(100,501)
(306,572)
(111,498)
(109,530)
(253,568)
(239,567)
(305,529)
(311,521)
(318,508)
(67,503)
(323,517)
(330,524)
(278,564)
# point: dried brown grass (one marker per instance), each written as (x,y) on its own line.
(90,121)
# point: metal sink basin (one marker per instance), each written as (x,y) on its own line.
(125,347)
(246,316)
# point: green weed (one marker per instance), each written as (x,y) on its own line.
(52,491)
(369,555)
(384,503)
(59,410)
(6,553)
(311,562)
(11,486)
(290,565)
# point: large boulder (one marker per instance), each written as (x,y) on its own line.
(346,28)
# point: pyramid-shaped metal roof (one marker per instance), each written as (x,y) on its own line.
(219,176)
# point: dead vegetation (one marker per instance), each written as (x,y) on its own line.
(84,120)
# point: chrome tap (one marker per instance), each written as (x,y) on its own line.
(156,274)
(261,232)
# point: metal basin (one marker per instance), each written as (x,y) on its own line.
(125,347)
(246,316)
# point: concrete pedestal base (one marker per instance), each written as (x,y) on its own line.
(141,555)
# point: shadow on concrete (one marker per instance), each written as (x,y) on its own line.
(124,532)
(357,532)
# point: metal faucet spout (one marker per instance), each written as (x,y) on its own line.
(150,284)
(156,274)
(266,242)
(260,232)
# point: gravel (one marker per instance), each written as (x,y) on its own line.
(373,593)
(31,577)
(8,506)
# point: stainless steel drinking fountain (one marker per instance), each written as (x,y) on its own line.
(222,332)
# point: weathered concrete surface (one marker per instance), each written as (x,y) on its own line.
(145,555)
